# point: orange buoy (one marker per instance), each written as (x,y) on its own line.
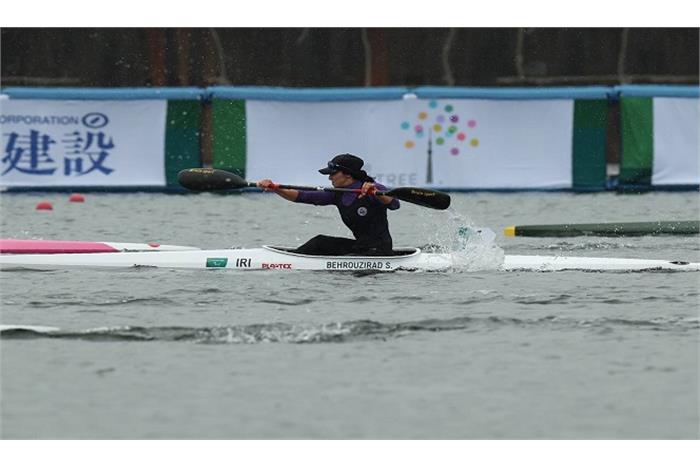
(44,206)
(76,198)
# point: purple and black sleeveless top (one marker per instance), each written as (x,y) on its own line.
(365,217)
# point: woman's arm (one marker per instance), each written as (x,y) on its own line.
(269,185)
(370,189)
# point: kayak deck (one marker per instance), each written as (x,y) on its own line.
(29,247)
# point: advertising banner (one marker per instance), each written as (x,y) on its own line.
(660,144)
(676,150)
(441,143)
(54,143)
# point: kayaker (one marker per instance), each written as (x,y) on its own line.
(364,213)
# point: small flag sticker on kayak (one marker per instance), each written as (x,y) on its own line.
(217,262)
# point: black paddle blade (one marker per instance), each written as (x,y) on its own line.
(201,179)
(421,196)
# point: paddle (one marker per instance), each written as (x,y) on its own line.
(203,179)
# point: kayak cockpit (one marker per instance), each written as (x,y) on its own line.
(398,252)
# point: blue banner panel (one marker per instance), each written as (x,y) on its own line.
(306,94)
(111,94)
(447,92)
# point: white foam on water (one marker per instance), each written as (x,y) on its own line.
(27,327)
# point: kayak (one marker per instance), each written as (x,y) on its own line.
(20,246)
(276,258)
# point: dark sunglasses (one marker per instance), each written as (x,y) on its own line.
(335,168)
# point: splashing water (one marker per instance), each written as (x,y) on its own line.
(471,248)
(476,250)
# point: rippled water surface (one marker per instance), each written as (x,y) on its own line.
(473,353)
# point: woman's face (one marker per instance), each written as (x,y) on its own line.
(340,179)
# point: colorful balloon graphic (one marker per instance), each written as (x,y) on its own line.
(444,124)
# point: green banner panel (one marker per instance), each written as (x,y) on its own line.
(637,140)
(182,138)
(229,128)
(590,128)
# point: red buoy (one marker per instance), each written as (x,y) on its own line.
(76,198)
(44,206)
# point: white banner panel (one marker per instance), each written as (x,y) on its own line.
(448,143)
(54,143)
(676,150)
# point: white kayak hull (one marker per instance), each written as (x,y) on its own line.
(279,259)
(582,263)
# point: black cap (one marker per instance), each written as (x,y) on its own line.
(347,163)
